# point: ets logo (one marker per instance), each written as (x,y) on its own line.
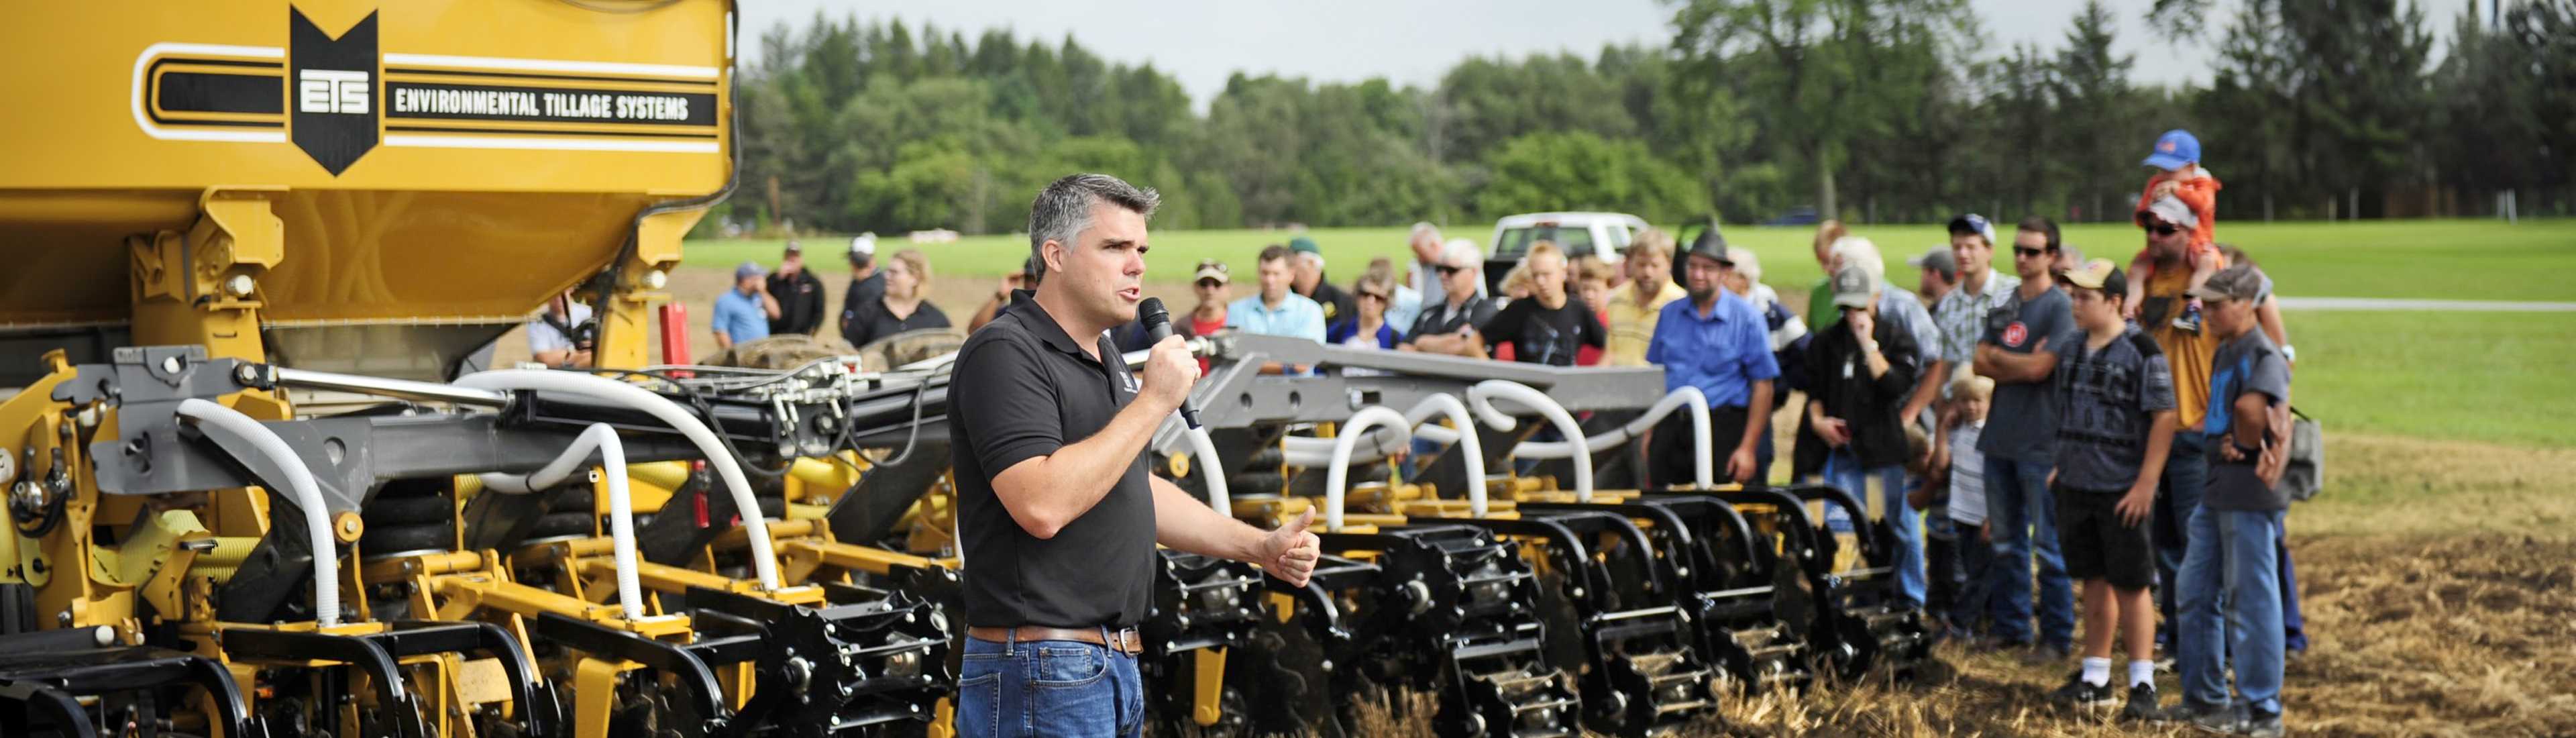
(331,91)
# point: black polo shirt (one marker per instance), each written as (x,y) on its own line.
(1023,389)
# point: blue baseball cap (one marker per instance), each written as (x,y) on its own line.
(2174,149)
(1973,223)
(749,269)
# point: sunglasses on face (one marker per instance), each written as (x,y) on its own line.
(1209,284)
(1374,296)
(2028,253)
(1447,270)
(2163,229)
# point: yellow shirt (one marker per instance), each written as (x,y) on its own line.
(1632,327)
(2186,352)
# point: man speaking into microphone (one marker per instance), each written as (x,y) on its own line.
(1058,515)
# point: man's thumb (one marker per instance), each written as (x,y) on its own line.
(1303,519)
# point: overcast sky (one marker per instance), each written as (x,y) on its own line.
(1413,43)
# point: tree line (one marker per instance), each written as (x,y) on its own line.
(1871,110)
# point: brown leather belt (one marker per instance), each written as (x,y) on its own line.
(1125,641)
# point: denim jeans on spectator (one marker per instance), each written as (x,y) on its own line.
(1972,608)
(2294,624)
(1842,469)
(1940,562)
(2177,495)
(2024,515)
(1054,688)
(2231,559)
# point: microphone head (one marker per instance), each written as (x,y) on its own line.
(1150,312)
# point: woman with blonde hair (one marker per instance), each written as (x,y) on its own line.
(905,305)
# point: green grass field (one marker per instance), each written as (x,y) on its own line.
(2460,259)
(2486,377)
(2495,377)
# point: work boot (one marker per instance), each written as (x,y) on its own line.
(2142,705)
(2083,695)
(2262,725)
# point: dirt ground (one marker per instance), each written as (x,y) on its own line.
(2453,615)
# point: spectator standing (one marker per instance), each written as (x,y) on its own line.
(2188,352)
(1001,298)
(2180,176)
(799,294)
(742,314)
(1714,341)
(1367,327)
(1903,310)
(1860,372)
(1939,275)
(1820,298)
(2267,318)
(2235,533)
(866,285)
(2013,350)
(1591,285)
(1633,309)
(559,337)
(1898,308)
(1937,278)
(1788,334)
(1277,311)
(1451,326)
(2116,411)
(1971,610)
(905,305)
(1308,280)
(1550,326)
(1960,315)
(1408,301)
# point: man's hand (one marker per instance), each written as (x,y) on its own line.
(2135,506)
(1739,465)
(2274,460)
(1919,498)
(2163,187)
(1862,325)
(1170,371)
(1289,553)
(1834,430)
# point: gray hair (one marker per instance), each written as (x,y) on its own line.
(1462,250)
(1425,228)
(1063,210)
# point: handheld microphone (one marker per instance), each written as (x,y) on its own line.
(1158,325)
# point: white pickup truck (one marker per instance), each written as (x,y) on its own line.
(1600,234)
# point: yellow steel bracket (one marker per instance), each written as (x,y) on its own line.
(626,322)
(155,558)
(1208,682)
(201,286)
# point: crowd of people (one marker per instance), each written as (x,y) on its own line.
(2067,426)
(2061,426)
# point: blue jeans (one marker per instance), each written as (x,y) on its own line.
(2294,624)
(2231,559)
(2177,495)
(1970,608)
(1844,470)
(2024,515)
(1051,688)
